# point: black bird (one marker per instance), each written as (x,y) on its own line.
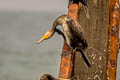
(77,1)
(47,77)
(85,6)
(72,33)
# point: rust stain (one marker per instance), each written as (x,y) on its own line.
(67,61)
(73,11)
(113,43)
(112,63)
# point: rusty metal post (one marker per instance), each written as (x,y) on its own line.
(67,62)
(113,44)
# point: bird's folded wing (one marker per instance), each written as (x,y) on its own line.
(75,28)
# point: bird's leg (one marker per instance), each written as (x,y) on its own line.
(74,50)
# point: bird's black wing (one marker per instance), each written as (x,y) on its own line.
(77,31)
(75,28)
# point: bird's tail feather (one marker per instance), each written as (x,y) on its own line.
(85,58)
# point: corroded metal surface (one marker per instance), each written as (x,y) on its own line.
(113,44)
(66,66)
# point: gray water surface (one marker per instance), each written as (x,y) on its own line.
(20,57)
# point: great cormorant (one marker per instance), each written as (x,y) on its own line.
(72,33)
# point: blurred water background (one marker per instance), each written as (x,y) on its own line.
(20,57)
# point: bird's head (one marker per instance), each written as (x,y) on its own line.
(59,21)
(47,35)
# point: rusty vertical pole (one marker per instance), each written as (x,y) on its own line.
(113,45)
(66,66)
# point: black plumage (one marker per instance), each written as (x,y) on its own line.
(77,1)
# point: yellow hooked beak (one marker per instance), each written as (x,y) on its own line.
(46,36)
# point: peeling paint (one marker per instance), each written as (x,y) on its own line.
(95,1)
(104,50)
(101,71)
(89,78)
(108,78)
(97,77)
(92,62)
(109,40)
(100,58)
(99,66)
(105,19)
